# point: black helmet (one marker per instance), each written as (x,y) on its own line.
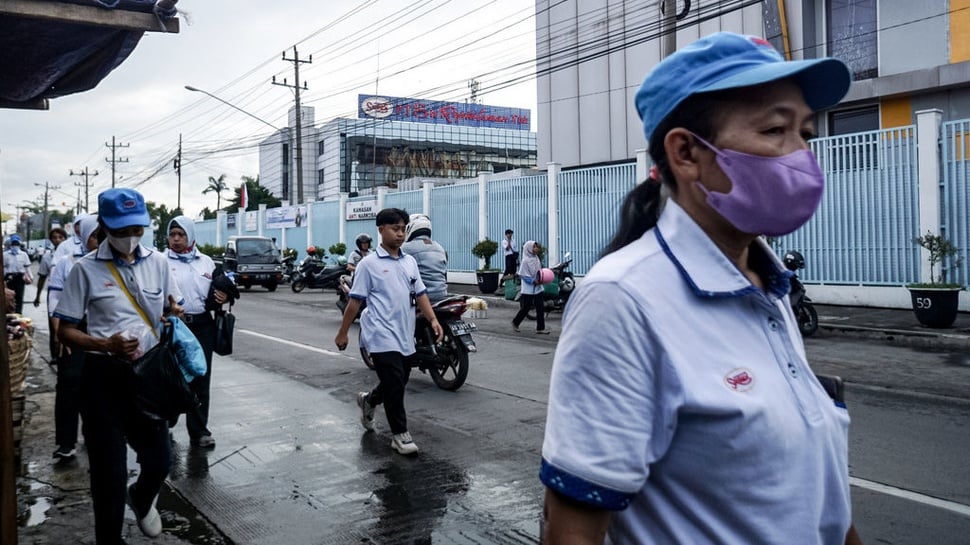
(362,238)
(793,261)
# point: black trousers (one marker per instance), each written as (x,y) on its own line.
(511,264)
(527,302)
(197,422)
(15,281)
(393,372)
(67,399)
(110,423)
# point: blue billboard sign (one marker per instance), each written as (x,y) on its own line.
(442,113)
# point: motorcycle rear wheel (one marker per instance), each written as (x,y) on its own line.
(807,320)
(450,374)
(298,285)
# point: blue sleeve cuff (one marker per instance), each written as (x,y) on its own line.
(65,318)
(358,297)
(581,490)
(420,294)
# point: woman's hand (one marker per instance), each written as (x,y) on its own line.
(174,309)
(219,296)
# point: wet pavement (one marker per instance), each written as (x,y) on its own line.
(292,465)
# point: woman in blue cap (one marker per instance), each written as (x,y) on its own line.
(124,289)
(681,406)
(16,271)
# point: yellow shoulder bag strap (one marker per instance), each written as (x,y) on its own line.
(131,299)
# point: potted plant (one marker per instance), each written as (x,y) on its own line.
(487,277)
(935,302)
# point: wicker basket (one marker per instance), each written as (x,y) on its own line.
(19,358)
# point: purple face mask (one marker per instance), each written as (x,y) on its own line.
(769,195)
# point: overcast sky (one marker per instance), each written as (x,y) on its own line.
(426,49)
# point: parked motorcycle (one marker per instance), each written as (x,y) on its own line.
(288,266)
(314,272)
(446,362)
(801,305)
(344,283)
(555,300)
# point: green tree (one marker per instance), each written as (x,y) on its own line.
(257,195)
(208,214)
(217,186)
(161,214)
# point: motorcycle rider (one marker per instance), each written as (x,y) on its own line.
(363,242)
(431,257)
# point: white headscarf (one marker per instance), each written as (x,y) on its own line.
(530,262)
(188,226)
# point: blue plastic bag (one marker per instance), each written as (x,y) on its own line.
(188,351)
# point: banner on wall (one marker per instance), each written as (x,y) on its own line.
(286,216)
(231,222)
(361,210)
(251,220)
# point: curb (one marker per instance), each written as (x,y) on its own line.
(918,339)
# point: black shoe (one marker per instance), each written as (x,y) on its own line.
(64,454)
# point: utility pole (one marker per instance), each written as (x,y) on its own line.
(297,61)
(87,184)
(177,164)
(113,160)
(47,223)
(668,28)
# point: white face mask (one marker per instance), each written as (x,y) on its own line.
(125,245)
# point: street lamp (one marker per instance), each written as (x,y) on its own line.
(289,135)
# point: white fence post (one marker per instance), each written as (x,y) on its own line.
(220,219)
(342,218)
(381,198)
(260,218)
(552,245)
(928,124)
(240,220)
(309,224)
(426,190)
(642,169)
(482,210)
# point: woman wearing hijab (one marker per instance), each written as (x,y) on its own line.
(193,273)
(531,290)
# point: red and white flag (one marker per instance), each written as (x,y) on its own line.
(243,197)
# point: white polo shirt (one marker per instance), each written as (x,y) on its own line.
(92,289)
(193,273)
(61,265)
(386,283)
(681,398)
(15,263)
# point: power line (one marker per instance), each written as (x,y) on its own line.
(113,161)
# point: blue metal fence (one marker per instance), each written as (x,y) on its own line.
(955,187)
(864,228)
(589,205)
(454,209)
(520,204)
(412,201)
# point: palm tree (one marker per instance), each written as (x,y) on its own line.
(217,185)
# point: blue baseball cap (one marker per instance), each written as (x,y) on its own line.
(15,239)
(726,60)
(121,207)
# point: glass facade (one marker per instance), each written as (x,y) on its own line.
(375,153)
(852,36)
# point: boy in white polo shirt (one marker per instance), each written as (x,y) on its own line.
(389,281)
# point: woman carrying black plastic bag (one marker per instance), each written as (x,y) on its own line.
(124,289)
(193,271)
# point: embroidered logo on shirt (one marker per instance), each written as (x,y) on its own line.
(109,284)
(740,379)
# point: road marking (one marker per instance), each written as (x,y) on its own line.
(955,507)
(294,343)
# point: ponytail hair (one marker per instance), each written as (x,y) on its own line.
(642,206)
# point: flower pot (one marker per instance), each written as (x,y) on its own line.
(935,307)
(487,281)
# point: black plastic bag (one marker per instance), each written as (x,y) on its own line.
(159,389)
(225,323)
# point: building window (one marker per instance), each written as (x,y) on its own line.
(320,147)
(285,185)
(854,120)
(320,177)
(852,35)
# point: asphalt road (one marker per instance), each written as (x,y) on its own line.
(909,437)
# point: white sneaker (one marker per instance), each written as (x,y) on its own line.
(366,411)
(403,444)
(151,523)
